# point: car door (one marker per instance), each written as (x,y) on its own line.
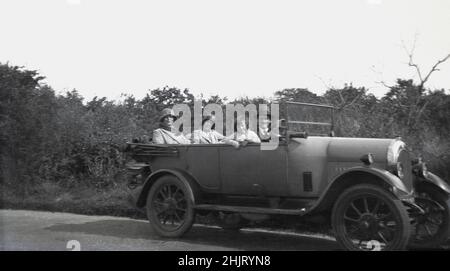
(252,171)
(203,165)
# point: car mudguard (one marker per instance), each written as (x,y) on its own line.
(436,181)
(370,174)
(182,175)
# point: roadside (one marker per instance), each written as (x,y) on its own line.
(115,202)
(112,202)
(36,230)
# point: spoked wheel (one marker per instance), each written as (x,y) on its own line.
(431,228)
(366,217)
(170,207)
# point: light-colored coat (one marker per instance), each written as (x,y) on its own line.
(161,136)
(249,136)
(211,137)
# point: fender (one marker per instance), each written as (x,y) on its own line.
(371,175)
(186,178)
(435,181)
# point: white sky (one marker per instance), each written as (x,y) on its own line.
(229,47)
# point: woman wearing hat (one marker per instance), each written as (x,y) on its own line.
(164,134)
(207,135)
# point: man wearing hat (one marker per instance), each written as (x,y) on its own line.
(164,134)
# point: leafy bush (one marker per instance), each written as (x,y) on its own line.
(50,141)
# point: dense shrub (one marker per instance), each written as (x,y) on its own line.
(61,140)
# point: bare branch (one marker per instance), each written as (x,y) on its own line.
(410,54)
(411,63)
(355,99)
(419,114)
(380,74)
(328,87)
(342,97)
(323,82)
(384,84)
(434,68)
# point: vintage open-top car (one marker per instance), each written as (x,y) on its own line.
(370,190)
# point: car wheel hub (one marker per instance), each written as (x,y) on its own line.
(170,205)
(368,222)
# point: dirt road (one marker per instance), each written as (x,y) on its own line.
(33,230)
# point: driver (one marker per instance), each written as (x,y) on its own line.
(265,131)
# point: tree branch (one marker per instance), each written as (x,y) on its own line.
(381,82)
(434,68)
(411,63)
(384,84)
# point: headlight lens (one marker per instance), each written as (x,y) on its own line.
(424,170)
(400,170)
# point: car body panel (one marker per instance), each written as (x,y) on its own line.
(436,181)
(307,155)
(343,149)
(250,171)
(221,168)
(203,162)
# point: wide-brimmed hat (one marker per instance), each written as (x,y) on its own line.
(208,117)
(166,112)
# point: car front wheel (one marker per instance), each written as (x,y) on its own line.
(432,228)
(170,208)
(367,217)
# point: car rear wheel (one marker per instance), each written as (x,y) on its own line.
(431,228)
(170,208)
(367,217)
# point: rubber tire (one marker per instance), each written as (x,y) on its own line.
(443,234)
(395,205)
(190,212)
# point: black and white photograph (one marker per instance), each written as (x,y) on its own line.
(238,128)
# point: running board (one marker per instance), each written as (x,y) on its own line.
(250,210)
